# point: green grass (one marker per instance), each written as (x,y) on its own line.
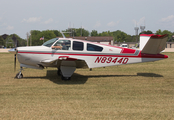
(136,91)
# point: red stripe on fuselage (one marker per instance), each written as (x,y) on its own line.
(141,55)
(128,51)
(153,56)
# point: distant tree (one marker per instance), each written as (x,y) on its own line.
(120,36)
(84,32)
(36,35)
(169,33)
(159,32)
(19,41)
(94,33)
(2,43)
(110,33)
(105,33)
(57,33)
(80,32)
(147,32)
(171,39)
(48,34)
(9,42)
(77,32)
(130,38)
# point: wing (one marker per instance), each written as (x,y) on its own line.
(66,61)
(67,65)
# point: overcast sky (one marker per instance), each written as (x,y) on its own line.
(21,16)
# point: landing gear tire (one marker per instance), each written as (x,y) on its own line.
(19,75)
(65,78)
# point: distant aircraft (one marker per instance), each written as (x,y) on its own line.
(67,54)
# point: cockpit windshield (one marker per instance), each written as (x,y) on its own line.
(50,42)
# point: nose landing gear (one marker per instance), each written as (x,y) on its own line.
(19,75)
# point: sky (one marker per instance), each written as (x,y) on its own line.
(22,16)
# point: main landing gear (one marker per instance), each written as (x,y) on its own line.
(19,75)
(59,73)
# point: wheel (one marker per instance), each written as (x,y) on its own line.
(19,75)
(65,78)
(59,72)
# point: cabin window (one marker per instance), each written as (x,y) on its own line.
(78,45)
(50,42)
(63,45)
(91,47)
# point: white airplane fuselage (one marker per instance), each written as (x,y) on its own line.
(79,54)
(110,56)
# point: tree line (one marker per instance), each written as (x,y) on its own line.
(118,36)
(10,41)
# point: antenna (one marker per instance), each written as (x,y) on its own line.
(63,34)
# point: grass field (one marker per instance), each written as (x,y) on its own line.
(136,91)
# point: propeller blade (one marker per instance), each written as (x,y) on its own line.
(14,51)
(15,62)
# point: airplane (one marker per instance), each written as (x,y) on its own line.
(67,54)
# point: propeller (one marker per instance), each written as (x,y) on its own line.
(14,62)
(16,45)
(14,51)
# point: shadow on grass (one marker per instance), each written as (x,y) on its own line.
(81,79)
(149,75)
